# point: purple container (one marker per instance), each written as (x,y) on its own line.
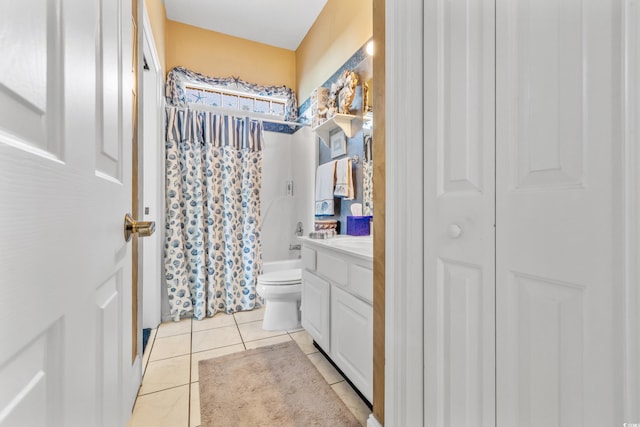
(358,225)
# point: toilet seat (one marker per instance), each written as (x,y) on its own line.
(281,277)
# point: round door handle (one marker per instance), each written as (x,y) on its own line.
(454,231)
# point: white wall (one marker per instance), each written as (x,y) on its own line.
(286,158)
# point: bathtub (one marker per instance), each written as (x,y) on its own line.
(288,264)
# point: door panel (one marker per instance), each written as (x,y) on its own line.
(547,77)
(351,339)
(63,255)
(459,192)
(316,297)
(30,75)
(558,198)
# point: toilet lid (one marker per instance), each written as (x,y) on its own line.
(281,277)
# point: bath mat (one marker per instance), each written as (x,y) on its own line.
(268,386)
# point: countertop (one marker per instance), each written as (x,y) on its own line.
(359,246)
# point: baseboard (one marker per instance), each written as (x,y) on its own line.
(373,422)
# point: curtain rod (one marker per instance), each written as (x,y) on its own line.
(238,113)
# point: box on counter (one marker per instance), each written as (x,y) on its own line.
(358,225)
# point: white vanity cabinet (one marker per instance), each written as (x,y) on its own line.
(337,289)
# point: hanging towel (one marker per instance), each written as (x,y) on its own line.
(325,181)
(344,179)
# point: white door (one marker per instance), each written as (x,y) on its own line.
(65,185)
(559,213)
(459,206)
(559,195)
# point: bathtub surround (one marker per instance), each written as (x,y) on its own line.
(304,398)
(212,247)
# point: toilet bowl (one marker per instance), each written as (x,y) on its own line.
(281,290)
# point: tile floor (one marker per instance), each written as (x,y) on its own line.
(169,395)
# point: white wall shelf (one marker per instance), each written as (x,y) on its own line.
(349,124)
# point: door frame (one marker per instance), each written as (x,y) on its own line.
(404,220)
(150,300)
(631,215)
(406,214)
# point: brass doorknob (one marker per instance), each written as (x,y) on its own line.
(143,228)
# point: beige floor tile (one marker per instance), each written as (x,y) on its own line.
(147,350)
(166,373)
(167,408)
(249,316)
(215,338)
(325,368)
(350,398)
(210,354)
(304,341)
(253,331)
(267,341)
(218,321)
(164,348)
(168,329)
(194,418)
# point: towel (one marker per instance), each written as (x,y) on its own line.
(325,181)
(344,179)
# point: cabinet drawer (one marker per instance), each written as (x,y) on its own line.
(308,258)
(361,282)
(334,268)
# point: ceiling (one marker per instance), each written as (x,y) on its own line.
(281,23)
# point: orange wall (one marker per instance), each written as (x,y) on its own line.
(340,30)
(158,17)
(219,55)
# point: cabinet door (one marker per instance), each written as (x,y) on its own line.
(352,339)
(315,308)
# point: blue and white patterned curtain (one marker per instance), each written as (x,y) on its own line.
(212,244)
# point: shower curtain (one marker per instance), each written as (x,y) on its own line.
(212,244)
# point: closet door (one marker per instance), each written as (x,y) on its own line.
(459,213)
(559,254)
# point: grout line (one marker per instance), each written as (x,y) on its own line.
(170,357)
(239,333)
(160,391)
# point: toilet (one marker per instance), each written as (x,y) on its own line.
(281,290)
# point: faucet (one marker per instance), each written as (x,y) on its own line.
(299,229)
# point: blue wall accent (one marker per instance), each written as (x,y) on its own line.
(351,64)
(278,127)
(355,145)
